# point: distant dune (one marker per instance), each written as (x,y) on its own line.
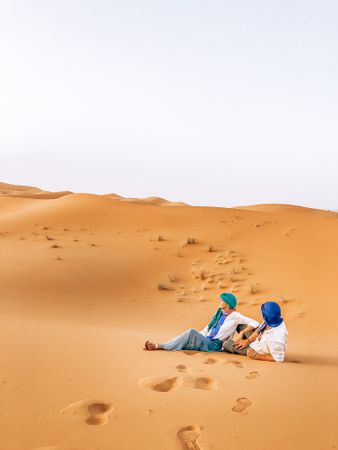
(276,208)
(11,190)
(86,279)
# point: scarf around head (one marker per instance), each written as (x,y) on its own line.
(229,298)
(213,331)
(271,314)
(231,301)
(217,316)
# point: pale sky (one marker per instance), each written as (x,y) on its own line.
(214,102)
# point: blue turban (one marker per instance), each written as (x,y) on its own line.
(271,314)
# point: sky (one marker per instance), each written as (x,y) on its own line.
(218,103)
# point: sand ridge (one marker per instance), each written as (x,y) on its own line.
(86,279)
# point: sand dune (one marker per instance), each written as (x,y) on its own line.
(154,201)
(86,279)
(11,190)
(280,208)
(16,188)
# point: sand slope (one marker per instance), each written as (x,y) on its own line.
(80,278)
(11,190)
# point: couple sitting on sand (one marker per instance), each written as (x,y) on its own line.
(265,342)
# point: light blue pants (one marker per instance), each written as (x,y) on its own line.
(193,340)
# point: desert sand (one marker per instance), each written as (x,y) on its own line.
(86,279)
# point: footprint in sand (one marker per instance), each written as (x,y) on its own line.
(162,384)
(242,404)
(211,361)
(252,375)
(167,385)
(182,368)
(236,364)
(205,383)
(189,436)
(92,412)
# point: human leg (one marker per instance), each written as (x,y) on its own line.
(178,343)
(151,346)
(192,340)
(229,347)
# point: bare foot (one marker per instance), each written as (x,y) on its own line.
(151,346)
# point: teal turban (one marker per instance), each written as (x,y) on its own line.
(230,299)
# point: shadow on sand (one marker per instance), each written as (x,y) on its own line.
(318,360)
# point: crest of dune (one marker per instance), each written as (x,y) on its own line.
(11,190)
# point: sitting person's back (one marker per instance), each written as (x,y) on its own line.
(268,342)
(272,341)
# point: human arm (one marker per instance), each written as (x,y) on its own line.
(251,324)
(271,347)
(252,354)
(242,343)
(243,332)
(230,324)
